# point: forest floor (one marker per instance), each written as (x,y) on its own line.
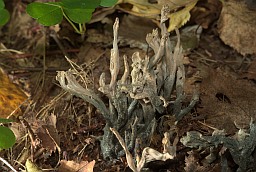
(67,127)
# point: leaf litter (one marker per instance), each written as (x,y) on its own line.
(226,102)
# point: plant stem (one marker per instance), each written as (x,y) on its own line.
(72,24)
(80,28)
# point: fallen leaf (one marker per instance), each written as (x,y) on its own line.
(237,27)
(71,166)
(251,73)
(206,12)
(31,167)
(133,35)
(11,96)
(52,120)
(180,10)
(226,99)
(49,137)
(181,17)
(192,163)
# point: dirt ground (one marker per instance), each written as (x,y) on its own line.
(59,132)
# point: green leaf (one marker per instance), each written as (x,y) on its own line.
(78,4)
(79,15)
(4,16)
(108,3)
(47,14)
(7,138)
(3,120)
(2,4)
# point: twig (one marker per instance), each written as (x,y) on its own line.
(35,141)
(15,110)
(11,50)
(55,37)
(34,69)
(28,55)
(7,163)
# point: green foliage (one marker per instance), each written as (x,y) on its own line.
(46,13)
(82,4)
(3,120)
(4,14)
(7,137)
(77,12)
(85,15)
(108,3)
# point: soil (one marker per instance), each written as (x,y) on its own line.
(59,132)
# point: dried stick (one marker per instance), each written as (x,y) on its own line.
(7,163)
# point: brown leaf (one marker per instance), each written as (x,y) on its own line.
(237,27)
(192,163)
(52,120)
(206,12)
(134,34)
(71,166)
(49,137)
(251,73)
(11,97)
(225,100)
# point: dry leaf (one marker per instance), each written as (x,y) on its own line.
(134,33)
(52,120)
(225,100)
(31,167)
(251,73)
(237,27)
(180,10)
(49,137)
(71,166)
(11,96)
(180,17)
(47,133)
(192,163)
(206,12)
